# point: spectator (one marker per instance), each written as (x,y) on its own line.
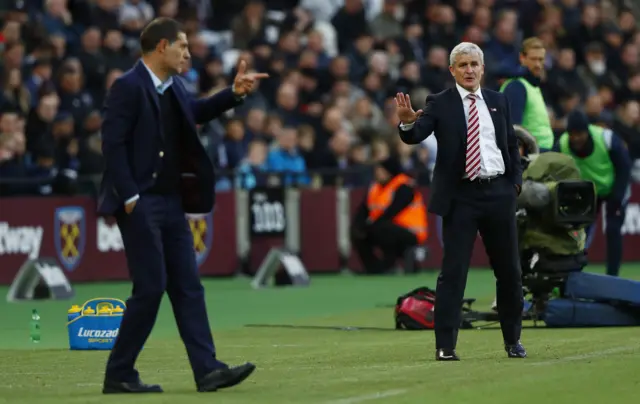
(285,158)
(252,170)
(235,146)
(16,95)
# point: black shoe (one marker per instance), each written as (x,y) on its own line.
(444,354)
(113,387)
(515,351)
(222,378)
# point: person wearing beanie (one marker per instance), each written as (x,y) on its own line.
(603,159)
(392,217)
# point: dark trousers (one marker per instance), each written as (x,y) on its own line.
(391,239)
(488,208)
(614,219)
(159,249)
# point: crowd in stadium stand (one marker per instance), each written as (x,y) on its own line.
(334,67)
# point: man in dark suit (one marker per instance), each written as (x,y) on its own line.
(156,171)
(475,183)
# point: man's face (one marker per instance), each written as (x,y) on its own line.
(8,122)
(48,108)
(578,140)
(257,153)
(468,71)
(13,58)
(287,139)
(176,55)
(72,81)
(534,61)
(113,40)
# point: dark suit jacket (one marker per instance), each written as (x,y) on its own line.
(132,142)
(444,116)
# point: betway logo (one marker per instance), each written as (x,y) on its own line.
(98,333)
(109,237)
(25,240)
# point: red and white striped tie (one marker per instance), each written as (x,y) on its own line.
(473,140)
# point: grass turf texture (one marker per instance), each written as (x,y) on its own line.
(325,365)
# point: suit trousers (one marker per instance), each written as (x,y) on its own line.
(615,215)
(488,208)
(159,250)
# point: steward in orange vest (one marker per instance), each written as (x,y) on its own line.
(392,218)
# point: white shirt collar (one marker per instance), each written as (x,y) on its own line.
(157,83)
(463,93)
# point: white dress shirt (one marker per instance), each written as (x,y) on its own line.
(491,161)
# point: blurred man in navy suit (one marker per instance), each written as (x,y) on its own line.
(156,171)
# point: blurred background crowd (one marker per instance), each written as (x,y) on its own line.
(327,111)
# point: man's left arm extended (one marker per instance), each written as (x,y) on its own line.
(514,150)
(402,197)
(621,161)
(207,109)
(210,108)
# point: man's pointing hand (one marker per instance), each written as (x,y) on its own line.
(243,82)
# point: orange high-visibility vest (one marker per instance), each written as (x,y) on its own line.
(412,218)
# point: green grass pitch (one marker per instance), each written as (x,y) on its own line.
(324,364)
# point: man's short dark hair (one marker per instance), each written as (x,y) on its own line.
(156,31)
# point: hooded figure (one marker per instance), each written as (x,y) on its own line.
(392,217)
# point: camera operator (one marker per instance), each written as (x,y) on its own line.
(603,159)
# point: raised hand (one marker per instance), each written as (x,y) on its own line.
(405,112)
(243,82)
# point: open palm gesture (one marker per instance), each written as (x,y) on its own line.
(405,112)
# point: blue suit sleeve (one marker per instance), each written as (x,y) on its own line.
(208,109)
(120,111)
(517,96)
(622,165)
(512,145)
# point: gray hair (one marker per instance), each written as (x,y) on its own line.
(465,48)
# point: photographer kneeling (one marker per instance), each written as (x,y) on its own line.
(393,218)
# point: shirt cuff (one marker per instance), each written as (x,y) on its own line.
(132,199)
(238,97)
(407,126)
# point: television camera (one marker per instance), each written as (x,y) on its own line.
(555,207)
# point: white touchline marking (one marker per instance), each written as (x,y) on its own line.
(266,346)
(369,397)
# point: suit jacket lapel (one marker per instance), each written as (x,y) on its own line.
(458,113)
(148,85)
(181,97)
